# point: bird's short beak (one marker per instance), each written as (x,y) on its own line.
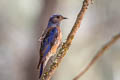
(65,18)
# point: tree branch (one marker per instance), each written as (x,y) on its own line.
(98,55)
(62,52)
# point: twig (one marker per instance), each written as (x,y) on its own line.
(62,52)
(98,55)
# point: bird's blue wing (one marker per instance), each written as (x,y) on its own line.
(46,45)
(48,41)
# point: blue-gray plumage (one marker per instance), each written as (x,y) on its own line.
(50,41)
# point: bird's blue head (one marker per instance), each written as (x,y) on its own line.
(55,20)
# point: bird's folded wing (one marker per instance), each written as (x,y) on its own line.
(48,41)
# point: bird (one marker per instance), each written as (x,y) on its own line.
(50,41)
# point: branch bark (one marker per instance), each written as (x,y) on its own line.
(62,52)
(98,55)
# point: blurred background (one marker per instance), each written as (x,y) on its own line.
(21,25)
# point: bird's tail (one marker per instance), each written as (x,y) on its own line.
(41,70)
(38,66)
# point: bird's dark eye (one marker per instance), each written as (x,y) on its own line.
(58,17)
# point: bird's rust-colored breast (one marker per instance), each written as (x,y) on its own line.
(58,41)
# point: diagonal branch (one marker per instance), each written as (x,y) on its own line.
(99,54)
(62,52)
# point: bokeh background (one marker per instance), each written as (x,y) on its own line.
(21,25)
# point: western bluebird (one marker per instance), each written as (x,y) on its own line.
(50,41)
